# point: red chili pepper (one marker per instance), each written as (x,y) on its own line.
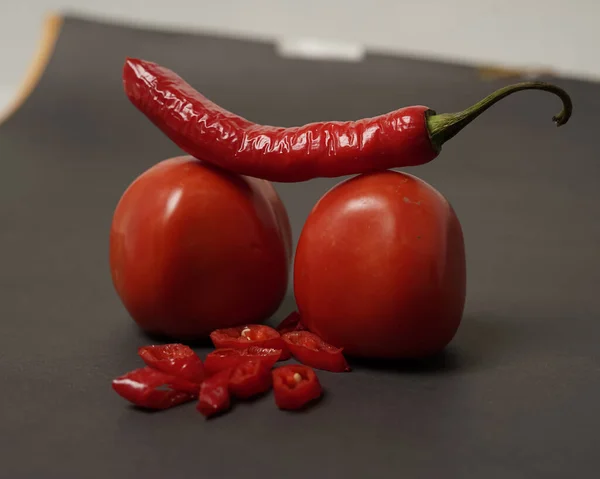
(311,350)
(406,137)
(226,358)
(250,378)
(293,322)
(152,389)
(176,359)
(214,395)
(295,386)
(242,337)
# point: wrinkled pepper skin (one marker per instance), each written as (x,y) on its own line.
(409,136)
(326,149)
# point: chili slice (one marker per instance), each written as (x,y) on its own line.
(250,378)
(152,389)
(226,358)
(293,322)
(311,350)
(176,359)
(294,386)
(214,395)
(242,337)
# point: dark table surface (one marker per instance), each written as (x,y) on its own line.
(516,394)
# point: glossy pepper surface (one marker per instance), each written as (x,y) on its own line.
(152,389)
(408,136)
(242,337)
(250,378)
(311,350)
(295,386)
(226,358)
(175,359)
(214,395)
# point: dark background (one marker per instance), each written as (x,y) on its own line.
(516,394)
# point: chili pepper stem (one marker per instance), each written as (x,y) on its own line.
(442,127)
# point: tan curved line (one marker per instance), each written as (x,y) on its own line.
(50,33)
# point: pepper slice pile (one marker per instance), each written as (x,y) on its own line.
(172,376)
(311,350)
(241,367)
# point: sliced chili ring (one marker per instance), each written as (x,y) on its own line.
(242,337)
(152,389)
(214,397)
(250,378)
(311,350)
(176,359)
(226,358)
(295,386)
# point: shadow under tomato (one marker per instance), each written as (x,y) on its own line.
(481,342)
(446,361)
(287,306)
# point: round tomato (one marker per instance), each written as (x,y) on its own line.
(380,267)
(194,248)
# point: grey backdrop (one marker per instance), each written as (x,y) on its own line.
(515,395)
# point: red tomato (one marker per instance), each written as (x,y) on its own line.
(380,268)
(194,249)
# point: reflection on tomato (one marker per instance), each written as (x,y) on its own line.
(380,268)
(194,248)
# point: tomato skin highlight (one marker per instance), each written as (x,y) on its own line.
(194,248)
(380,268)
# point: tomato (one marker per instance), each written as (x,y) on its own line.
(380,268)
(194,248)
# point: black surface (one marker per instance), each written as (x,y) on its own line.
(517,393)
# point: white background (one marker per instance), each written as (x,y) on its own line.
(560,35)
